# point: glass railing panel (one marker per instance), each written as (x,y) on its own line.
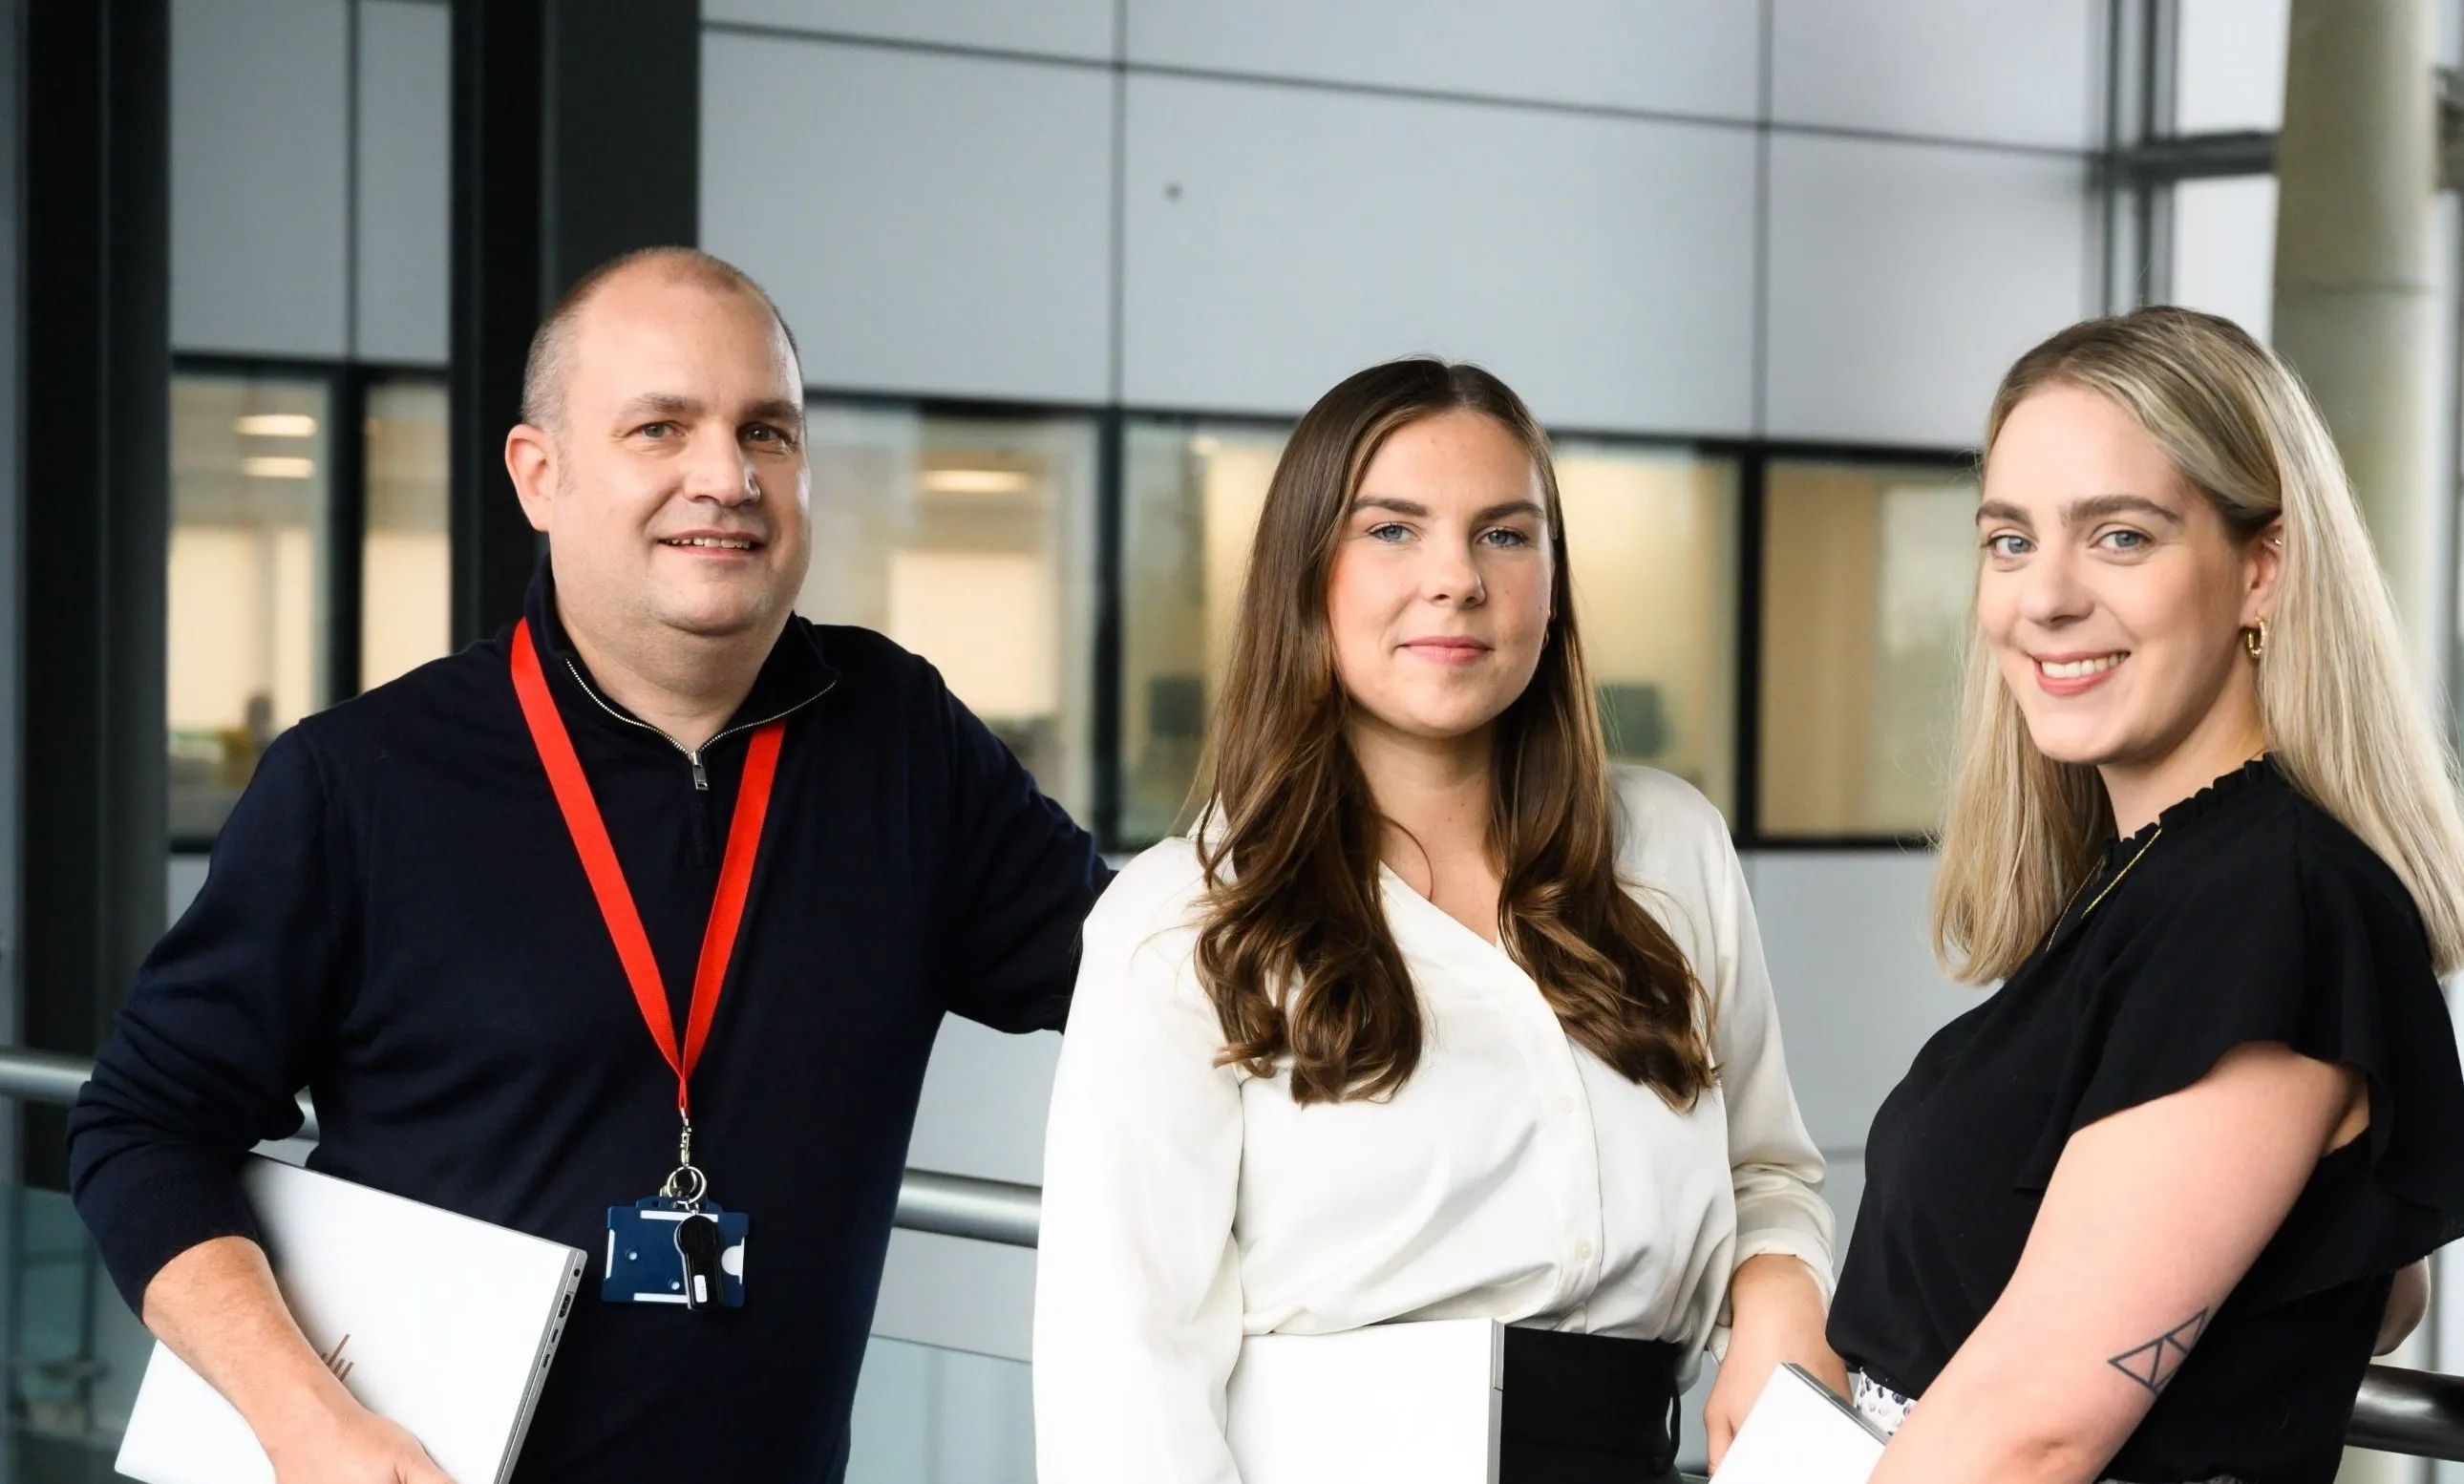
(74,1352)
(927,1415)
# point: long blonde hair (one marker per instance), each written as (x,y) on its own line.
(2342,717)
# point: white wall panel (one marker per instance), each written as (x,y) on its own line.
(1844,933)
(1678,55)
(1905,278)
(984,1099)
(1057,28)
(1843,1186)
(1279,239)
(2024,71)
(927,223)
(2229,64)
(2224,250)
(260,174)
(405,184)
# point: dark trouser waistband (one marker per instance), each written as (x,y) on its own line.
(1589,1409)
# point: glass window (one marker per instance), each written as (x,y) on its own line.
(1191,492)
(406,571)
(1868,574)
(249,505)
(1652,538)
(1651,535)
(971,541)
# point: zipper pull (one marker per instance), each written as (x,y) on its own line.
(701,779)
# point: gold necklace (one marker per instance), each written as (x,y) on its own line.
(2098,900)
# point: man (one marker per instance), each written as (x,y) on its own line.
(399,918)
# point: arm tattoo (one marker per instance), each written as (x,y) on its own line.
(2155,1364)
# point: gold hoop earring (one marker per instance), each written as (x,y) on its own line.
(2254,640)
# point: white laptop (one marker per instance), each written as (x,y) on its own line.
(441,1322)
(1418,1401)
(1799,1434)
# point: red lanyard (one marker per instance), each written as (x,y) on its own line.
(582,820)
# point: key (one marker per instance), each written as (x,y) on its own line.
(697,1244)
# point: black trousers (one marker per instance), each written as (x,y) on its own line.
(1589,1409)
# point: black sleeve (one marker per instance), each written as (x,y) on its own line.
(1024,876)
(228,1019)
(2320,950)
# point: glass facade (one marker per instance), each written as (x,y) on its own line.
(252,496)
(1868,572)
(406,562)
(1652,537)
(970,538)
(971,541)
(1191,495)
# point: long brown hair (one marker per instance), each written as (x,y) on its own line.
(1293,947)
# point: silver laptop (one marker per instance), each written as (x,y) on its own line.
(442,1322)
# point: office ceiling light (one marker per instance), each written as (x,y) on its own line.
(976,481)
(278,466)
(277,424)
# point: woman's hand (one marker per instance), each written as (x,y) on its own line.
(1777,1316)
(2408,1301)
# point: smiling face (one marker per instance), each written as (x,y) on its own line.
(2113,596)
(674,488)
(1438,597)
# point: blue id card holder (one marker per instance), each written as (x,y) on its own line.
(666,1251)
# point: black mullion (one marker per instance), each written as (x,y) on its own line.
(1752,486)
(1111,497)
(346,530)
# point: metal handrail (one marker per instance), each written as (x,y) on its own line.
(2415,1413)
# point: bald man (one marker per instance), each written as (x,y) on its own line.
(407,915)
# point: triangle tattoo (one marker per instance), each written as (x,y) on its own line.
(2155,1364)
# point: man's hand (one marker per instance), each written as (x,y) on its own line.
(356,1446)
(218,1309)
(1777,1316)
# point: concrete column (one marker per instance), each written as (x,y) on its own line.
(2359,307)
(2361,312)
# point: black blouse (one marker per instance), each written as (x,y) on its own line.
(2254,916)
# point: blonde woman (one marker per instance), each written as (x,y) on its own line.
(2139,1213)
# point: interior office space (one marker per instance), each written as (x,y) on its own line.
(1064,274)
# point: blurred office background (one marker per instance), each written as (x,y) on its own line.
(1064,271)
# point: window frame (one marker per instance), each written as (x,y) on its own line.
(347,386)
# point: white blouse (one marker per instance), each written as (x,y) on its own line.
(1514,1176)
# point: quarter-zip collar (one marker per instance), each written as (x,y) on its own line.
(793,677)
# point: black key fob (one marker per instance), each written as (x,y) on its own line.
(697,1243)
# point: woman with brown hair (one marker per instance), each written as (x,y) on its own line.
(1435,1016)
(2140,1213)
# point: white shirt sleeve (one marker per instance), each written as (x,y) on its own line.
(1138,1298)
(1772,1162)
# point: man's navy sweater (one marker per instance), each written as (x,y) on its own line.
(397,919)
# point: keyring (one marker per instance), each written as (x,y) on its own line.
(686,1178)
